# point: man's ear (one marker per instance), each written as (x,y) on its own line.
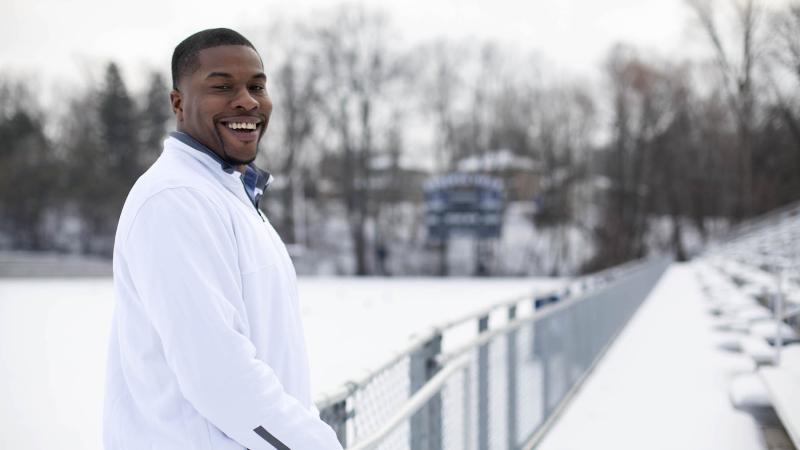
(176,99)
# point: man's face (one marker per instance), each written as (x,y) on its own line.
(224,104)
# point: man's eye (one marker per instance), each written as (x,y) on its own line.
(257,88)
(221,87)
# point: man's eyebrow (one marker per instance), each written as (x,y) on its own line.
(259,75)
(219,74)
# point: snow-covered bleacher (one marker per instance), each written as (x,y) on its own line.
(752,285)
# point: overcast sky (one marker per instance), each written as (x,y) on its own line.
(57,42)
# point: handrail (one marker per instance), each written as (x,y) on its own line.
(482,312)
(488,335)
(348,387)
(489,309)
(427,369)
(462,359)
(417,401)
(351,386)
(417,341)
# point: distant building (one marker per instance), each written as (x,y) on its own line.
(521,175)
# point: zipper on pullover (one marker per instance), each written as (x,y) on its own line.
(244,186)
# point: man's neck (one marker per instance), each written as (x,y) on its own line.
(256,180)
(191,141)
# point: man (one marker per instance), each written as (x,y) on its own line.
(207,348)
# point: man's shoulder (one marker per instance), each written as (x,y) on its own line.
(169,182)
(169,173)
(168,202)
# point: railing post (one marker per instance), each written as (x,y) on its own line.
(426,424)
(335,415)
(483,387)
(467,432)
(544,336)
(778,318)
(512,380)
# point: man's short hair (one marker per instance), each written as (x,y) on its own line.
(185,56)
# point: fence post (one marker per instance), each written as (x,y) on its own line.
(335,415)
(778,316)
(467,424)
(483,387)
(512,380)
(426,424)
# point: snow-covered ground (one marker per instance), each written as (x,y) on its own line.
(53,337)
(662,385)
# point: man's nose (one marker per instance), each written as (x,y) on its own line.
(244,100)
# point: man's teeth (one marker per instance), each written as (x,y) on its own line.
(242,125)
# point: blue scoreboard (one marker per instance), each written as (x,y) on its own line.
(460,203)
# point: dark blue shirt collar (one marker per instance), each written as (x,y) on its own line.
(255,180)
(195,144)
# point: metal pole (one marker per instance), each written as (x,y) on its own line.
(426,424)
(483,387)
(467,409)
(335,415)
(778,317)
(444,268)
(512,380)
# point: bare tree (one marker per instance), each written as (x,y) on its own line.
(640,115)
(359,67)
(294,65)
(785,23)
(442,86)
(785,55)
(563,121)
(737,73)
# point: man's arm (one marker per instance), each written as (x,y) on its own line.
(183,262)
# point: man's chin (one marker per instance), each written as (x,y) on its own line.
(237,151)
(240,162)
(240,157)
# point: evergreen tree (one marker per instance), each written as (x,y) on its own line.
(102,143)
(154,117)
(27,170)
(118,125)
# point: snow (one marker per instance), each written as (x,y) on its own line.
(497,160)
(354,324)
(53,338)
(663,384)
(748,391)
(54,333)
(524,249)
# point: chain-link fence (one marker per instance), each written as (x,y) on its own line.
(500,388)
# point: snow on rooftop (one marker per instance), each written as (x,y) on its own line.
(496,160)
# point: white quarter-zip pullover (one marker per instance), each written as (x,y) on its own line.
(207,348)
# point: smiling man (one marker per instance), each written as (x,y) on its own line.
(207,349)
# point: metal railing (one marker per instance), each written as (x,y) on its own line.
(500,386)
